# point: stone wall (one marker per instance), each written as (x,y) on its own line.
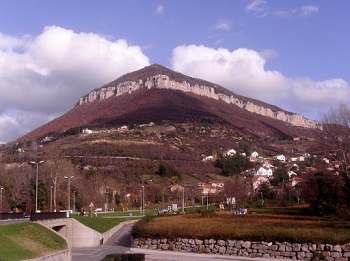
(285,250)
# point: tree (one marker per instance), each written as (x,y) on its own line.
(336,124)
(233,165)
(280,175)
(325,192)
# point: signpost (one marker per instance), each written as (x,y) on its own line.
(91,207)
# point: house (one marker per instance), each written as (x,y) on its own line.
(264,171)
(212,187)
(254,154)
(208,158)
(230,153)
(291,174)
(216,183)
(87,131)
(281,158)
(295,180)
(176,187)
(258,180)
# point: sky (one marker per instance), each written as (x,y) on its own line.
(292,54)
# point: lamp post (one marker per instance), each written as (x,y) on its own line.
(1,189)
(143,199)
(36,182)
(68,200)
(183,199)
(106,201)
(74,201)
(51,198)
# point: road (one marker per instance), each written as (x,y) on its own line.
(120,242)
(13,221)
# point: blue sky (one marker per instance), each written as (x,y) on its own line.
(293,54)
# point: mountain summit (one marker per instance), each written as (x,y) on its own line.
(156,94)
(160,77)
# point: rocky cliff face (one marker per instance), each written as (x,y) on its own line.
(162,81)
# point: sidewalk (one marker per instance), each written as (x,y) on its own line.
(152,255)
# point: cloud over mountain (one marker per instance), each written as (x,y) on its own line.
(243,72)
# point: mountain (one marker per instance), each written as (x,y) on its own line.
(157,94)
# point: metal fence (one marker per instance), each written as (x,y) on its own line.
(4,216)
(47,215)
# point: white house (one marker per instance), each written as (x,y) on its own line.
(258,180)
(281,158)
(87,131)
(254,154)
(264,171)
(230,153)
(208,158)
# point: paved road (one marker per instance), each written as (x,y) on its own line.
(120,242)
(12,221)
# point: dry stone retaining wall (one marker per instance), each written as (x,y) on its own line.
(285,250)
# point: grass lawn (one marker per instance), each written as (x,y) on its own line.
(28,240)
(102,222)
(258,226)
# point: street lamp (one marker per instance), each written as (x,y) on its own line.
(36,182)
(143,199)
(68,200)
(51,198)
(183,199)
(74,201)
(1,189)
(106,201)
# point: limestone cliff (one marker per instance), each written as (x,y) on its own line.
(202,88)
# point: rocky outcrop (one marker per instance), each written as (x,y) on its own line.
(275,250)
(162,81)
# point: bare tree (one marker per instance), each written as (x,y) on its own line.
(336,124)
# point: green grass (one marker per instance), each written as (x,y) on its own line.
(28,240)
(102,222)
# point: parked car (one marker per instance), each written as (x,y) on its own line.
(241,211)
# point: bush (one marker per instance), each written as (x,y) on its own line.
(124,257)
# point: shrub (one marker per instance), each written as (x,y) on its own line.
(125,257)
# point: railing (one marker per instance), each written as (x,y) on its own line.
(47,215)
(11,215)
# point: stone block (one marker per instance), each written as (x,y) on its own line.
(246,244)
(296,247)
(198,242)
(239,243)
(221,242)
(320,247)
(222,250)
(201,249)
(337,248)
(273,247)
(346,247)
(230,243)
(212,241)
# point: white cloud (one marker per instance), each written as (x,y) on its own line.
(223,25)
(45,75)
(159,9)
(309,9)
(258,7)
(243,72)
